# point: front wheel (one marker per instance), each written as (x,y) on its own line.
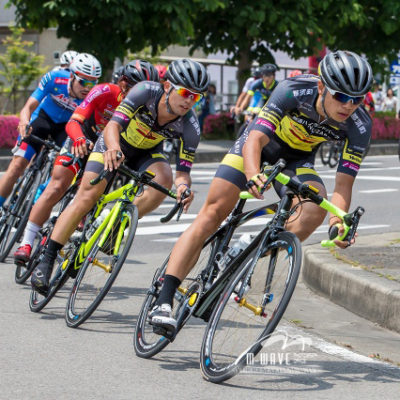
(250,307)
(101,268)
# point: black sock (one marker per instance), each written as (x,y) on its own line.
(51,252)
(170,285)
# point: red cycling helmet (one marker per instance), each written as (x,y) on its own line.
(162,70)
(296,72)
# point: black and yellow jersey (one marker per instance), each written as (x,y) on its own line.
(290,114)
(137,114)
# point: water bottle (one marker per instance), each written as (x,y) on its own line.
(97,222)
(40,190)
(235,250)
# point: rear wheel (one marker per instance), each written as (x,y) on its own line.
(18,213)
(101,268)
(250,307)
(58,278)
(145,341)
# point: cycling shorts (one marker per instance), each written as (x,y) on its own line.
(136,159)
(43,127)
(66,156)
(298,163)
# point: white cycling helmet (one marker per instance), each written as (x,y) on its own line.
(86,66)
(67,57)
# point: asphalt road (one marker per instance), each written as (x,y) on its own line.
(321,350)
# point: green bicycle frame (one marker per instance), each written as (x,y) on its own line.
(126,193)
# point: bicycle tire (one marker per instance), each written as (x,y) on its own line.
(324,152)
(145,342)
(79,308)
(224,352)
(22,208)
(58,279)
(23,272)
(334,155)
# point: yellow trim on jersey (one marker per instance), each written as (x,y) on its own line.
(306,171)
(233,161)
(158,155)
(97,157)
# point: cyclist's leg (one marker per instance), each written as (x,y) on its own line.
(222,197)
(69,219)
(14,171)
(152,198)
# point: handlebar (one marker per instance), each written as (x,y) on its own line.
(73,160)
(177,208)
(47,143)
(350,220)
(146,178)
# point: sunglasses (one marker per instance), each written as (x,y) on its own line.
(187,94)
(86,83)
(344,98)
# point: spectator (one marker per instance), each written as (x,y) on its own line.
(378,97)
(207,104)
(390,102)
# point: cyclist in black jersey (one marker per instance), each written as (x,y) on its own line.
(301,113)
(149,114)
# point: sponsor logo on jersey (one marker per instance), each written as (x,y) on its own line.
(61,81)
(64,102)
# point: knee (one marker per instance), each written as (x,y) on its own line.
(209,219)
(314,217)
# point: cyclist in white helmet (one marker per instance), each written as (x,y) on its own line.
(66,59)
(47,111)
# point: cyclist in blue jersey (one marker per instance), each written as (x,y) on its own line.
(48,110)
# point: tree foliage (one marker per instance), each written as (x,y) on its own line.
(248,31)
(20,67)
(110,28)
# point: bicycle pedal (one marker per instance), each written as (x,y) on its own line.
(170,335)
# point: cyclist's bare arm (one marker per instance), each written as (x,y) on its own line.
(245,102)
(341,198)
(183,182)
(251,159)
(111,139)
(238,102)
(25,115)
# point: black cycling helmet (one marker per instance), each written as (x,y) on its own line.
(117,74)
(268,69)
(139,70)
(255,72)
(189,74)
(346,72)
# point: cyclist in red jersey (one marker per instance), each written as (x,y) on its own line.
(86,123)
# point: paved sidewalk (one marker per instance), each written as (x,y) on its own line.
(364,278)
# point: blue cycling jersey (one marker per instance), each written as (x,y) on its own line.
(257,96)
(52,94)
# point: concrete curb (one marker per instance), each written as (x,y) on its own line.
(359,291)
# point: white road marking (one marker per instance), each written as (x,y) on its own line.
(378,191)
(335,350)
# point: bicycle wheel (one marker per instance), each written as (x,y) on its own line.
(145,341)
(239,326)
(100,269)
(324,151)
(58,278)
(18,213)
(334,155)
(23,272)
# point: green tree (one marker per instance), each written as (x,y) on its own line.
(110,28)
(248,31)
(20,67)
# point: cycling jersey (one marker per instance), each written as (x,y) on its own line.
(247,84)
(137,114)
(52,94)
(96,110)
(290,114)
(259,85)
(291,122)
